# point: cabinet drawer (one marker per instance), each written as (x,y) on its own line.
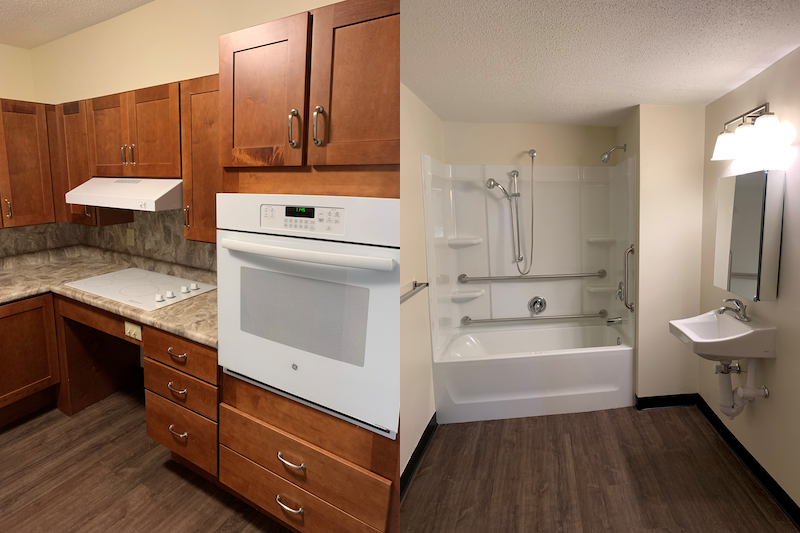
(262,487)
(351,488)
(199,445)
(187,356)
(185,390)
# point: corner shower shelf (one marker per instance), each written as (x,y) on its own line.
(466,296)
(601,288)
(463,242)
(601,239)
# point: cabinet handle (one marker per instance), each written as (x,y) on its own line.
(293,113)
(86,211)
(317,110)
(175,355)
(287,508)
(183,435)
(176,391)
(122,151)
(186,217)
(10,214)
(302,466)
(130,155)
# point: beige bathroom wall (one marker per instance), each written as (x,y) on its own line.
(627,133)
(508,144)
(16,73)
(768,428)
(159,42)
(420,133)
(669,244)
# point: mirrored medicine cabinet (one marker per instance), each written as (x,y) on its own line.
(747,248)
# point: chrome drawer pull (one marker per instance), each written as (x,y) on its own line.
(86,211)
(176,391)
(317,110)
(183,435)
(293,113)
(122,151)
(286,508)
(175,355)
(291,465)
(130,154)
(186,217)
(10,214)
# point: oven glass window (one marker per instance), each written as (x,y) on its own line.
(322,317)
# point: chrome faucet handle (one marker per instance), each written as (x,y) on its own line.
(737,304)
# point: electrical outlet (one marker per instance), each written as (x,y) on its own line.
(133,331)
(131,236)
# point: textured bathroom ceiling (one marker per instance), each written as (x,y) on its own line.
(30,23)
(585,61)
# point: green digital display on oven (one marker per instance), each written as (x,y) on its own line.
(301,212)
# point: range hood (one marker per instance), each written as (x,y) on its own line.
(138,194)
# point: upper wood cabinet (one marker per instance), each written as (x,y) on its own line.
(69,163)
(263,99)
(203,175)
(136,133)
(26,193)
(355,84)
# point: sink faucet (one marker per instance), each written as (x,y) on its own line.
(738,310)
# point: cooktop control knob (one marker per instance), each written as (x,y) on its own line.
(159,298)
(170,294)
(194,287)
(184,289)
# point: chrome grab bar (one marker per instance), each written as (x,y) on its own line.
(628,253)
(466,321)
(463,278)
(417,287)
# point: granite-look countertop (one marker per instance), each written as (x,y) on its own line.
(27,275)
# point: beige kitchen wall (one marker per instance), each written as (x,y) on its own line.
(669,243)
(160,42)
(16,73)
(420,133)
(508,144)
(768,428)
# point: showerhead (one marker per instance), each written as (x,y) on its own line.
(605,157)
(491,184)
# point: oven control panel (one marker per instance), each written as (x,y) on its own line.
(303,219)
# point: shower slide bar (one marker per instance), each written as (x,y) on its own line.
(463,278)
(467,321)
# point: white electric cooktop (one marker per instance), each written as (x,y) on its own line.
(142,288)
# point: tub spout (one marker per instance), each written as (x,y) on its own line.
(612,321)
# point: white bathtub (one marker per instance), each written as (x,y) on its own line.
(493,374)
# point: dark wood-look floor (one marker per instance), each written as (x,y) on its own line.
(98,472)
(622,470)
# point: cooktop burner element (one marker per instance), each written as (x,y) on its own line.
(142,288)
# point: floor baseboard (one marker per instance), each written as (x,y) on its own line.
(784,501)
(416,457)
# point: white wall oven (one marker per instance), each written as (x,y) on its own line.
(308,301)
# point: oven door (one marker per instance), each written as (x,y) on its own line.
(318,320)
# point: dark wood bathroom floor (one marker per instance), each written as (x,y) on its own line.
(622,470)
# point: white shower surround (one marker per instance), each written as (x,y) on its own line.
(584,222)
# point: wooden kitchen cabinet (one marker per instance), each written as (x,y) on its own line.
(203,175)
(26,192)
(136,133)
(263,100)
(355,84)
(29,356)
(69,163)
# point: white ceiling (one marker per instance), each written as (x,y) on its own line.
(30,23)
(585,61)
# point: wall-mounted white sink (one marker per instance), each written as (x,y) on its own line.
(724,338)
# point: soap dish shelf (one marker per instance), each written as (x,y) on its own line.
(463,242)
(466,296)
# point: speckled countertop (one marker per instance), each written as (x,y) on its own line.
(27,275)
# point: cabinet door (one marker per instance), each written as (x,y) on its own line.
(355,79)
(154,126)
(202,172)
(28,358)
(26,191)
(264,93)
(108,135)
(69,160)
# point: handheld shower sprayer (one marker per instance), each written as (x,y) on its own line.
(491,184)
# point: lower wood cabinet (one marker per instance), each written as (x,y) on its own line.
(182,354)
(28,352)
(183,389)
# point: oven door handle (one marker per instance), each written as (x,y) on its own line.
(383,264)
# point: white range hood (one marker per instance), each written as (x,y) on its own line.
(138,194)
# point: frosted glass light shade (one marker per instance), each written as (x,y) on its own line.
(766,132)
(788,133)
(725,148)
